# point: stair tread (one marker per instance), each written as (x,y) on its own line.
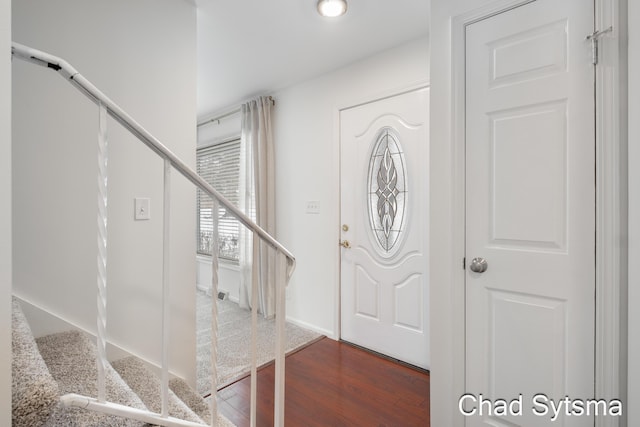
(71,359)
(189,396)
(34,392)
(147,386)
(184,402)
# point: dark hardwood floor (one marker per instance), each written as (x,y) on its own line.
(330,383)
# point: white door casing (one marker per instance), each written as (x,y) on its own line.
(384,206)
(530,208)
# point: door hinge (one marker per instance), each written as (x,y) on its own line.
(593,38)
(464,263)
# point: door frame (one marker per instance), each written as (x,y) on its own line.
(611,202)
(420,84)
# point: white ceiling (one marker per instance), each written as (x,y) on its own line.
(251,47)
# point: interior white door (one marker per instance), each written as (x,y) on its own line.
(530,210)
(384,196)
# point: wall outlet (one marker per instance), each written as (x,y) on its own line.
(142,206)
(313,207)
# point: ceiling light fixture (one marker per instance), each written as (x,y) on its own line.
(332,8)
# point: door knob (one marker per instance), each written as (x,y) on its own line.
(478,265)
(345,244)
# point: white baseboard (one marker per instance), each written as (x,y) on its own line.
(43,323)
(203,288)
(207,290)
(313,328)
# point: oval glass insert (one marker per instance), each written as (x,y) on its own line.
(387,191)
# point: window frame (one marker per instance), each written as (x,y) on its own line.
(232,146)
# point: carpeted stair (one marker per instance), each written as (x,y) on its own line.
(71,359)
(146,385)
(48,367)
(34,391)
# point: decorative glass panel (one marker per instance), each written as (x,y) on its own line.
(387,190)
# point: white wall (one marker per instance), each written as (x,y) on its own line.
(5,213)
(307,169)
(633,397)
(143,55)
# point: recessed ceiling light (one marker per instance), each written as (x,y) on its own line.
(332,8)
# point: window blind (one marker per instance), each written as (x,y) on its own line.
(219,165)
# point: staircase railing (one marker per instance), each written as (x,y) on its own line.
(285,262)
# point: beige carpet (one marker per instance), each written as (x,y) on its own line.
(234,339)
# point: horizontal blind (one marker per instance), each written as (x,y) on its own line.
(219,165)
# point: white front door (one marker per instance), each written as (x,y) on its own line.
(384,196)
(530,211)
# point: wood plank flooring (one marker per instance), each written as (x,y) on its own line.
(330,383)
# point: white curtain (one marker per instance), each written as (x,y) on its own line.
(257,200)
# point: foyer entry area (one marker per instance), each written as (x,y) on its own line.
(331,383)
(234,338)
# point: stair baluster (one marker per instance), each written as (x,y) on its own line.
(254,327)
(214,313)
(166,286)
(102,250)
(281,271)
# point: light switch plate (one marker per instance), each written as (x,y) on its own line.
(313,207)
(142,206)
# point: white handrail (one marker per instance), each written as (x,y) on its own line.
(68,72)
(285,261)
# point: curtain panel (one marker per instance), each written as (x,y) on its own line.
(257,200)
